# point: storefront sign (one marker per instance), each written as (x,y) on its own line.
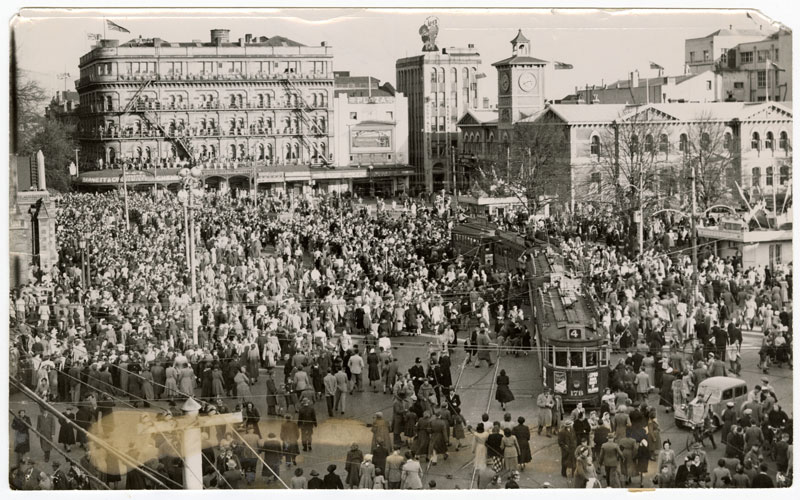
(271,177)
(373,139)
(132,178)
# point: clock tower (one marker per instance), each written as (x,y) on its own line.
(520,81)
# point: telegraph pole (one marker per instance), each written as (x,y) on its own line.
(694,247)
(125,187)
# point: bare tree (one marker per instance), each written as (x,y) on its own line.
(711,150)
(632,163)
(29,99)
(527,167)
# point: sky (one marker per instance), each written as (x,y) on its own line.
(602,46)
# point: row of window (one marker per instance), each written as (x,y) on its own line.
(206,67)
(784,175)
(563,357)
(705,143)
(314,99)
(315,151)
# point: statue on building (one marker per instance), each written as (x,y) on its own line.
(428,32)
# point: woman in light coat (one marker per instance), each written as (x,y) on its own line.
(479,446)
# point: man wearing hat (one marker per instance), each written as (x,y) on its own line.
(307,419)
(315,483)
(332,480)
(729,419)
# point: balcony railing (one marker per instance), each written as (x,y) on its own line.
(200,77)
(195,133)
(210,106)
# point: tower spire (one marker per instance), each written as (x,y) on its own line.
(520,45)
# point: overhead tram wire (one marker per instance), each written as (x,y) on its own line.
(166,439)
(60,451)
(101,442)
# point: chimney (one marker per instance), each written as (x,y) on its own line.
(470,45)
(730,27)
(634,79)
(241,42)
(248,37)
(220,36)
(323,43)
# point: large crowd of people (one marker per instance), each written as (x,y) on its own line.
(298,300)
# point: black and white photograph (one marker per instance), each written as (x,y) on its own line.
(399,249)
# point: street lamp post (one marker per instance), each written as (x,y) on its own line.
(84,268)
(192,188)
(371,181)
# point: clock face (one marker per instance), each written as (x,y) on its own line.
(527,81)
(504,82)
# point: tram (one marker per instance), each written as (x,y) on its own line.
(474,242)
(573,355)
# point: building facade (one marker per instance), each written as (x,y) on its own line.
(32,220)
(372,134)
(704,53)
(757,145)
(440,87)
(149,102)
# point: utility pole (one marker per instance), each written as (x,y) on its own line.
(77,166)
(125,187)
(694,245)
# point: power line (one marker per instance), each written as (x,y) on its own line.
(59,451)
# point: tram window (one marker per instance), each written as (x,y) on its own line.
(591,359)
(576,359)
(548,353)
(603,357)
(561,358)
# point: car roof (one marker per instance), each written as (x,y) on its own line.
(722,382)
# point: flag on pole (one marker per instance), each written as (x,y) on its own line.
(93,36)
(656,66)
(116,27)
(561,65)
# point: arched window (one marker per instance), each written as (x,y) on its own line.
(595,149)
(770,176)
(269,152)
(203,151)
(784,174)
(755,179)
(769,141)
(683,144)
(755,141)
(705,141)
(288,153)
(212,151)
(648,143)
(453,78)
(441,75)
(322,150)
(433,75)
(728,141)
(242,152)
(296,154)
(260,152)
(148,153)
(138,153)
(233,101)
(663,144)
(784,141)
(260,100)
(112,155)
(232,151)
